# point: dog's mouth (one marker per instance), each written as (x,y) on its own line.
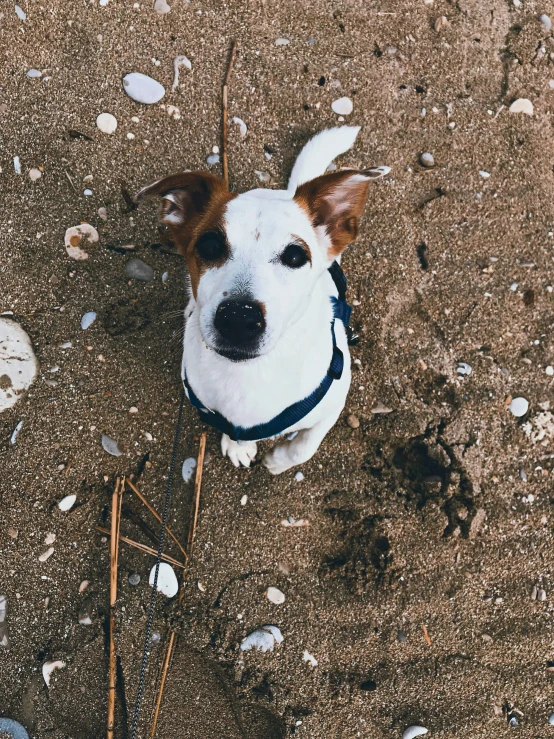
(236,354)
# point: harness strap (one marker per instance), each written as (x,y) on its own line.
(297,411)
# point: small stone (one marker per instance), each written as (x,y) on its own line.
(307,657)
(3,608)
(165,277)
(264,177)
(88,319)
(523,475)
(551,719)
(549,370)
(85,613)
(342,106)
(106,122)
(413,731)
(46,555)
(534,592)
(427,160)
(87,193)
(541,594)
(34,74)
(17,165)
(519,407)
(353,421)
(49,667)
(143,89)
(167,580)
(401,636)
(133,409)
(282,42)
(546,22)
(298,477)
(15,433)
(464,369)
(50,539)
(18,363)
(212,159)
(77,237)
(187,471)
(244,500)
(20,13)
(103,213)
(136,269)
(263,639)
(83,586)
(134,578)
(379,408)
(162,7)
(275,596)
(13,533)
(67,503)
(522,105)
(484,174)
(512,721)
(35,174)
(111,446)
(477,523)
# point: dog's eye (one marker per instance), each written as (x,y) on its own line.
(210,247)
(294,256)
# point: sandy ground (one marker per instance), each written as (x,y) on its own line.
(437,514)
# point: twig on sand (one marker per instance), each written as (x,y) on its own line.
(155,513)
(144,548)
(225,96)
(426,635)
(114,554)
(190,544)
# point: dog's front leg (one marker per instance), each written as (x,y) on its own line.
(305,444)
(239,452)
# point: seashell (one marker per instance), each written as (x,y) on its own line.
(78,236)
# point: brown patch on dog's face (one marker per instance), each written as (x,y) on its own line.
(193,205)
(336,201)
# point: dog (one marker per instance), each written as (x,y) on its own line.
(267,324)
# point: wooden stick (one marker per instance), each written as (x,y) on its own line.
(190,543)
(114,554)
(144,548)
(155,513)
(426,635)
(225,100)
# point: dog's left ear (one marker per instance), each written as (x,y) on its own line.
(336,201)
(187,200)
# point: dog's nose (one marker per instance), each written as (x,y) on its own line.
(239,322)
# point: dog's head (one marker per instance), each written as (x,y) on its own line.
(255,258)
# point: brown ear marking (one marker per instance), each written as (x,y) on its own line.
(336,201)
(192,204)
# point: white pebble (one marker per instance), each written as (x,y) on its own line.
(49,667)
(50,539)
(282,42)
(263,639)
(264,177)
(20,13)
(519,407)
(67,503)
(162,7)
(88,319)
(106,122)
(34,73)
(17,165)
(78,236)
(84,585)
(111,446)
(551,719)
(165,277)
(307,657)
(485,175)
(244,500)
(427,160)
(546,22)
(299,477)
(464,369)
(188,468)
(143,89)
(17,363)
(46,555)
(522,105)
(342,106)
(549,370)
(178,62)
(87,192)
(275,596)
(3,608)
(242,126)
(167,580)
(212,159)
(103,213)
(215,149)
(17,429)
(130,136)
(35,174)
(413,731)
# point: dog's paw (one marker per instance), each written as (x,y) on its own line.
(238,452)
(278,460)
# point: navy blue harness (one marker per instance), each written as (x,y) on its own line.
(301,408)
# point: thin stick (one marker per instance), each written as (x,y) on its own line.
(225,99)
(155,513)
(114,554)
(426,635)
(190,544)
(144,548)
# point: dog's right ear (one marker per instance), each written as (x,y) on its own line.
(187,200)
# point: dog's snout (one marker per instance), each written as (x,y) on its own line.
(240,322)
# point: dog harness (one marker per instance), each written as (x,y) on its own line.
(297,411)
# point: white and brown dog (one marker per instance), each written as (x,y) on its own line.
(267,324)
